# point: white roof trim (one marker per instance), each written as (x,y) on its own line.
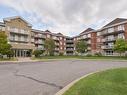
(114,25)
(14,17)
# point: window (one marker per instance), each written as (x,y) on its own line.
(98,33)
(25,38)
(110,45)
(48,36)
(84,36)
(12,37)
(109,52)
(121,27)
(61,38)
(98,40)
(19,38)
(110,30)
(110,38)
(121,35)
(89,35)
(8,28)
(60,43)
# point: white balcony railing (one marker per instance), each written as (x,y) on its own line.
(107,47)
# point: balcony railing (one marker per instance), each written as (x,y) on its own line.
(57,49)
(18,40)
(107,39)
(105,33)
(55,38)
(107,47)
(70,49)
(39,36)
(69,45)
(39,42)
(17,31)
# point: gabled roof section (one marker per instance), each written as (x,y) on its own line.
(59,34)
(16,17)
(115,21)
(87,30)
(39,31)
(47,31)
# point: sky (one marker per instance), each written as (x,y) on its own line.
(69,17)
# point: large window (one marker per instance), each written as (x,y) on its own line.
(121,35)
(121,27)
(110,38)
(110,30)
(109,52)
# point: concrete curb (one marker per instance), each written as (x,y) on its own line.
(62,91)
(14,62)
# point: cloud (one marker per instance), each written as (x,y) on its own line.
(69,17)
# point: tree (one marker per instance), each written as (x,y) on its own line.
(5,48)
(120,46)
(81,46)
(49,46)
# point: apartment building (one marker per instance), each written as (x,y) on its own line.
(24,39)
(18,32)
(109,34)
(90,37)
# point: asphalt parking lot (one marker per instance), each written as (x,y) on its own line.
(47,78)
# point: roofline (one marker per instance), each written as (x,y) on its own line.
(9,18)
(113,25)
(39,31)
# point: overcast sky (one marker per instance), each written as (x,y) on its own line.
(69,17)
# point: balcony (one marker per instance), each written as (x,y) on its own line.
(107,47)
(88,42)
(69,41)
(106,33)
(2,28)
(39,42)
(55,38)
(56,49)
(70,45)
(89,48)
(17,31)
(109,39)
(19,40)
(39,36)
(70,49)
(57,44)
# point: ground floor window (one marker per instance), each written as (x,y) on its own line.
(22,53)
(109,52)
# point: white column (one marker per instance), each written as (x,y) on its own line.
(19,53)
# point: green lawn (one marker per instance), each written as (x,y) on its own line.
(7,59)
(81,57)
(110,82)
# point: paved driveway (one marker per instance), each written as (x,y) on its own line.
(46,78)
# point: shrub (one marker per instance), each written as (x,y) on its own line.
(61,54)
(37,53)
(98,54)
(88,55)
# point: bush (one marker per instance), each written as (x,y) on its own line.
(98,54)
(37,53)
(88,55)
(61,54)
